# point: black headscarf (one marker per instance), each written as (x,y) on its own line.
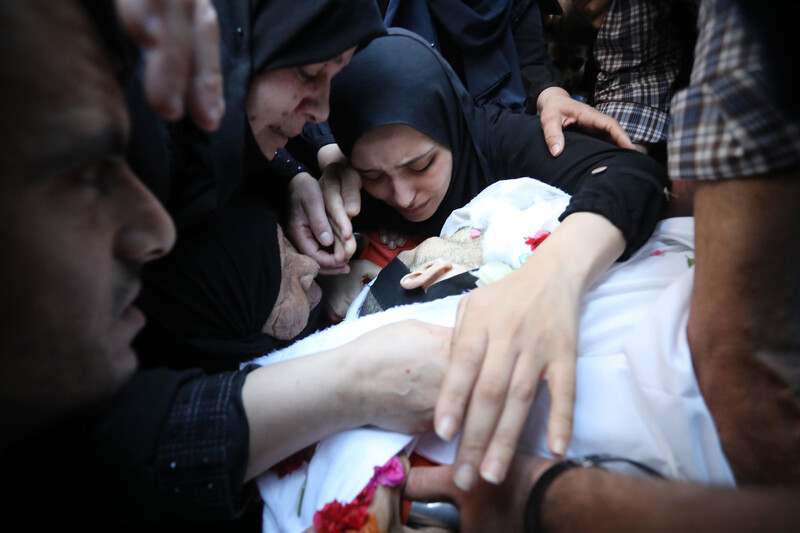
(291,33)
(194,172)
(400,79)
(209,298)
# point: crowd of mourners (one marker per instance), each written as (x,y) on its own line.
(189,185)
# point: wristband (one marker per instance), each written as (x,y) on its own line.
(533,511)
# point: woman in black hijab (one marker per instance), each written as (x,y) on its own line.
(278,58)
(422,146)
(223,297)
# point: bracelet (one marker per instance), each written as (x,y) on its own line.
(533,511)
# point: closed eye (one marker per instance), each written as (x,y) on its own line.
(425,166)
(305,77)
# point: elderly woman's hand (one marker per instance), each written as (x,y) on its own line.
(513,333)
(398,370)
(309,227)
(341,186)
(181,38)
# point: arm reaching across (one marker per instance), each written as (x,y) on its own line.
(389,377)
(583,499)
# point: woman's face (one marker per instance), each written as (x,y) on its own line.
(281,101)
(298,295)
(404,168)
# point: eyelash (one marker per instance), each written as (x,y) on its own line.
(426,167)
(305,77)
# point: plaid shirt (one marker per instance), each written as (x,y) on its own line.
(639,53)
(726,124)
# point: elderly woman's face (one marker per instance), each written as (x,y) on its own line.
(280,102)
(298,295)
(404,168)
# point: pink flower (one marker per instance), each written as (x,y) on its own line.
(391,474)
(658,252)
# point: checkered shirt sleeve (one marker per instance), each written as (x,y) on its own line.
(638,54)
(726,124)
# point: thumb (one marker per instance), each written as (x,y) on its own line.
(553,135)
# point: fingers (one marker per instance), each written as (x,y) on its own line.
(485,409)
(143,19)
(169,63)
(313,205)
(553,135)
(334,206)
(467,349)
(500,452)
(183,59)
(560,378)
(392,239)
(206,104)
(612,127)
(351,190)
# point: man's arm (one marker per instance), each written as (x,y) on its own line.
(593,499)
(744,320)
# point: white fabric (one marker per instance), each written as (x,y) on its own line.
(636,391)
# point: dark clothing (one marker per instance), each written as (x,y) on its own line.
(171,449)
(399,79)
(194,173)
(497,49)
(476,40)
(214,290)
(196,298)
(537,69)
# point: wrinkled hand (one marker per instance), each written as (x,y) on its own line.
(558,110)
(398,371)
(181,38)
(341,290)
(341,186)
(508,336)
(487,507)
(309,228)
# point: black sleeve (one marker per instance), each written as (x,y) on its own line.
(538,70)
(317,135)
(172,449)
(624,186)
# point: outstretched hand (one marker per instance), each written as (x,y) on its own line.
(513,333)
(508,336)
(181,39)
(558,110)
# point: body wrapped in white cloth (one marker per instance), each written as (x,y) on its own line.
(636,393)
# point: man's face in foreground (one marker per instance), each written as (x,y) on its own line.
(75,223)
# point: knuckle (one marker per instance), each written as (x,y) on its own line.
(492,391)
(523,391)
